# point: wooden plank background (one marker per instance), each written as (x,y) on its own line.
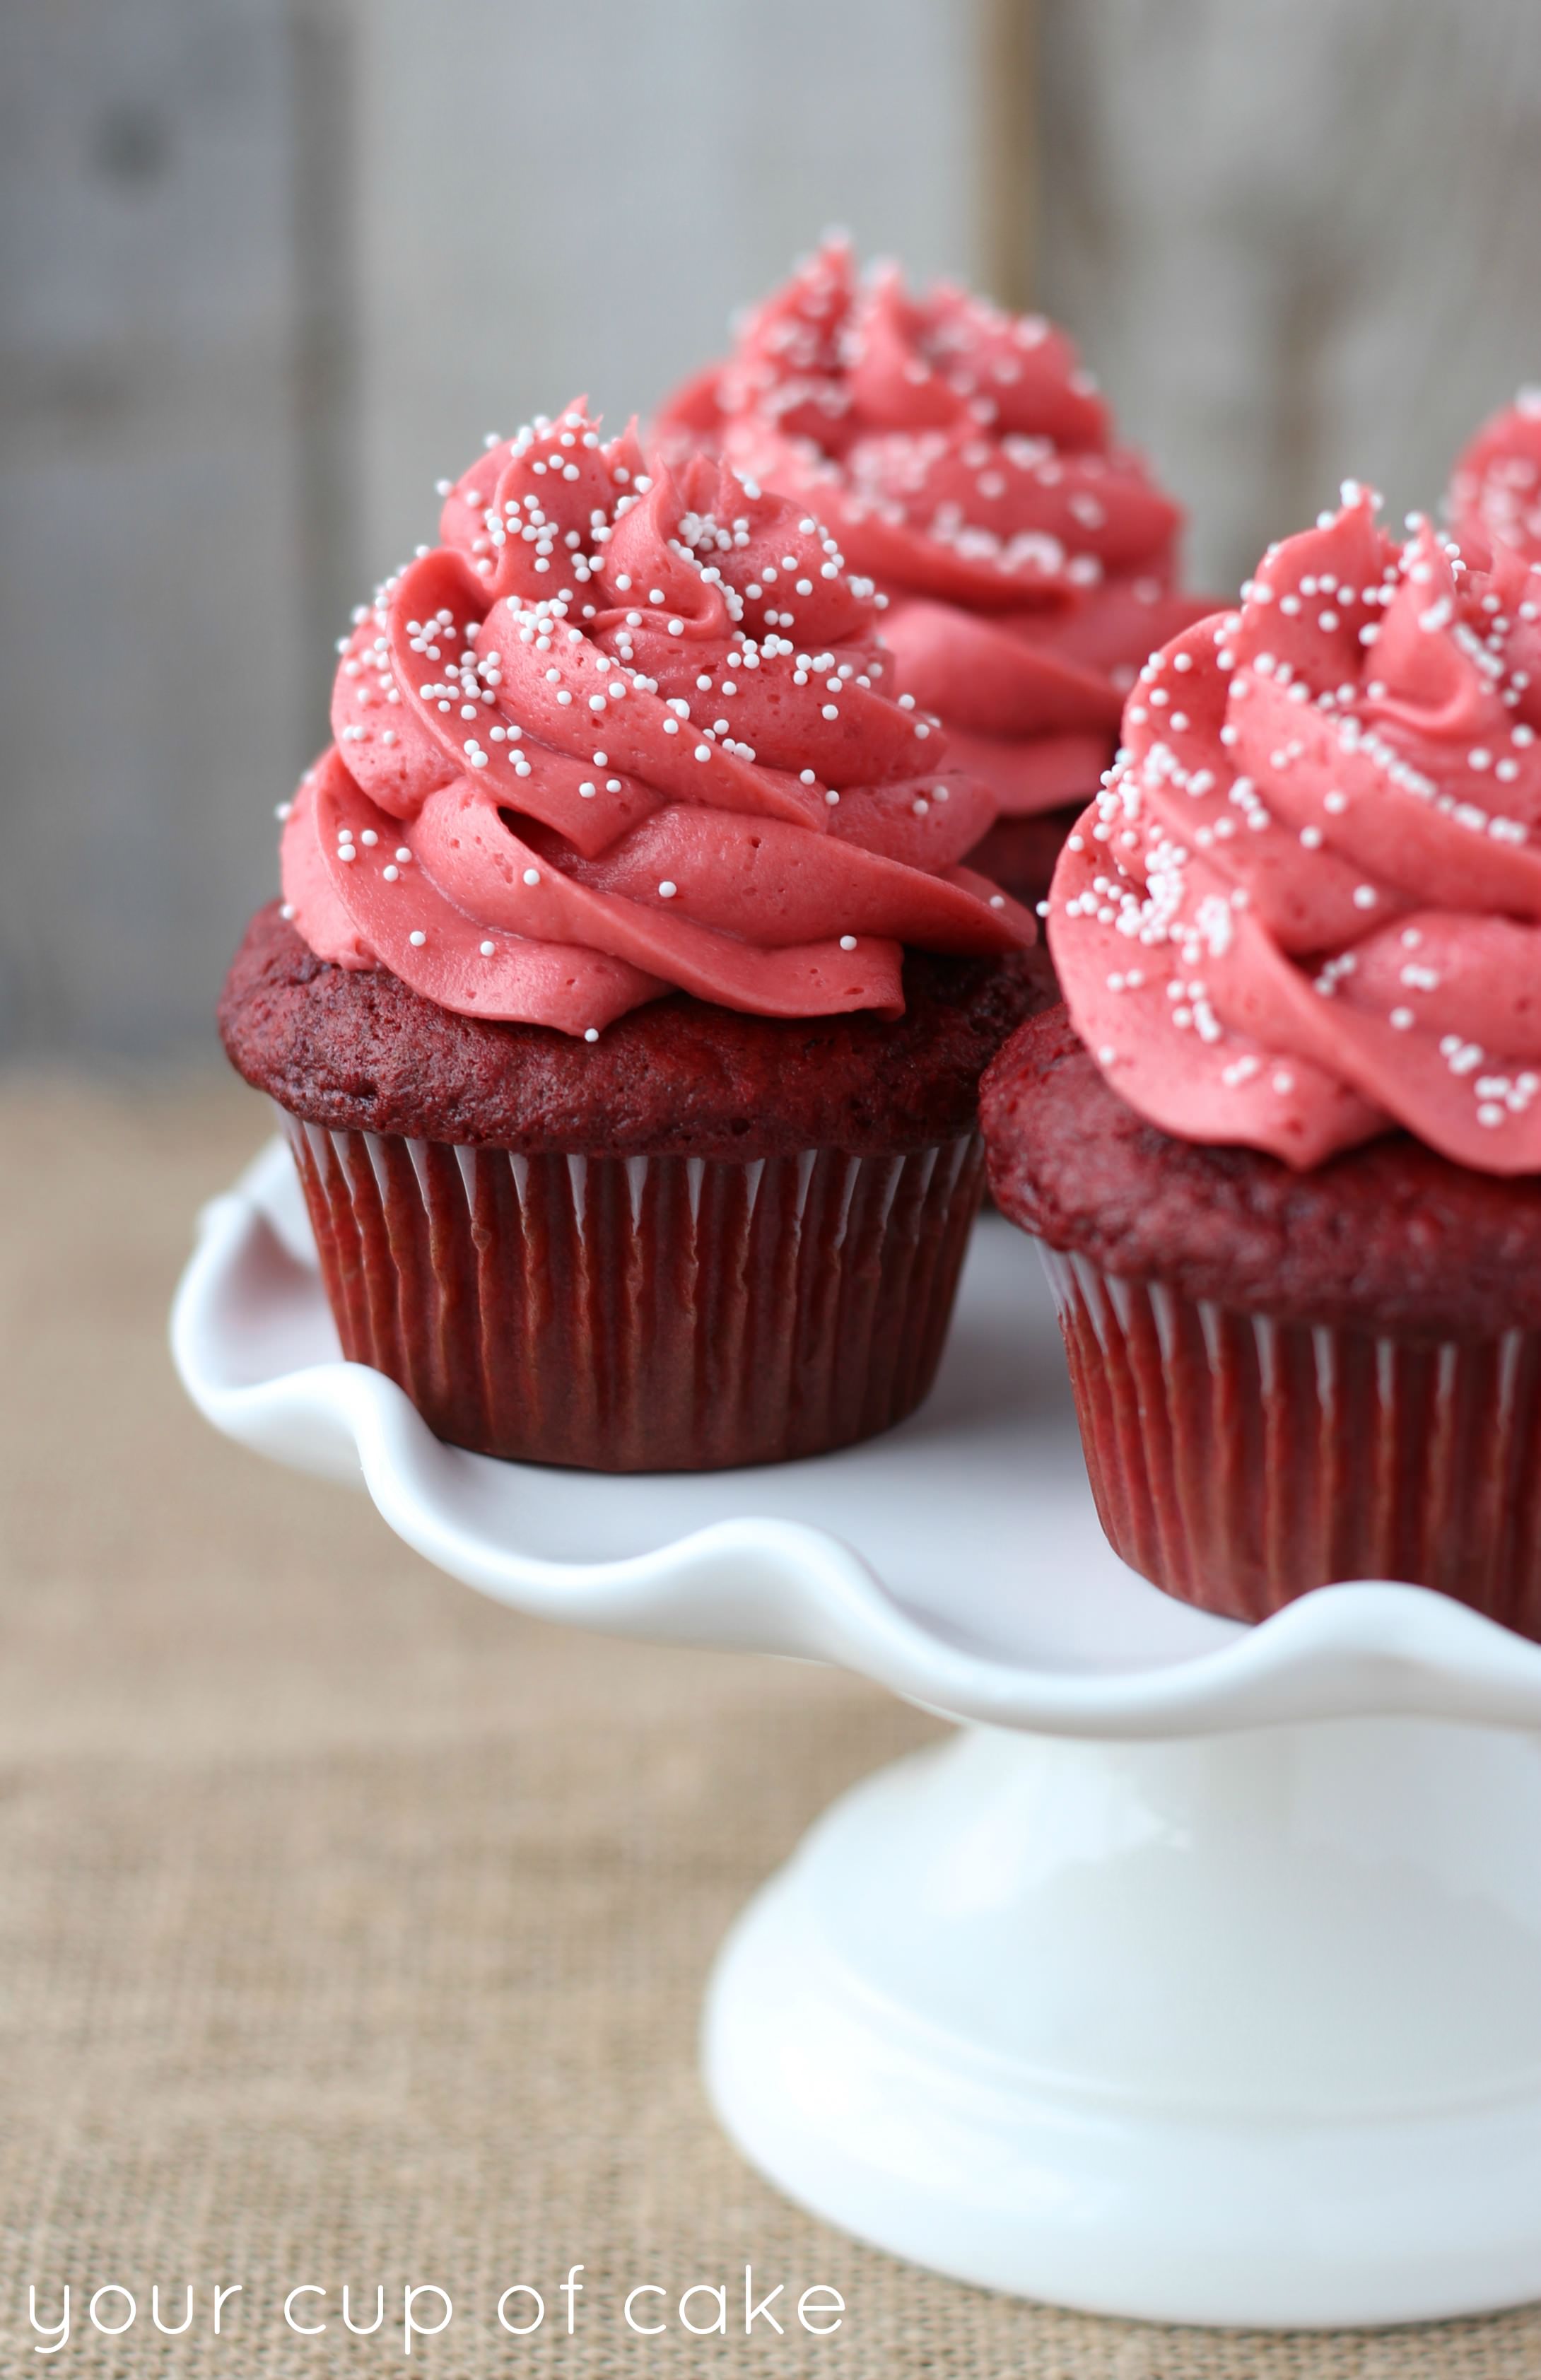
(1298,239)
(269,267)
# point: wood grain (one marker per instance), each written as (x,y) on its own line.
(151,626)
(272,266)
(613,188)
(1008,150)
(1297,238)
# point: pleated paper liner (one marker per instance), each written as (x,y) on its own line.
(644,1312)
(1239,1461)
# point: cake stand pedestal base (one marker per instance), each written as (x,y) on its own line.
(1201,1981)
(1244,2029)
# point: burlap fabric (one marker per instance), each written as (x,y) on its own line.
(355,1931)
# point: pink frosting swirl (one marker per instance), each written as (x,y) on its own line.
(1306,906)
(964,458)
(625,731)
(1495,492)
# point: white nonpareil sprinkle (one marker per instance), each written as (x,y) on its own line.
(463,679)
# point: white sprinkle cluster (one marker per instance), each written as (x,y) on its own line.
(1314,795)
(711,619)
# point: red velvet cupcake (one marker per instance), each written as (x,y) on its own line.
(628,999)
(1282,1147)
(964,460)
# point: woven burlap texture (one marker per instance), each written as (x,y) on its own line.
(355,1930)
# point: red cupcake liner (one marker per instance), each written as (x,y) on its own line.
(643,1313)
(1238,1461)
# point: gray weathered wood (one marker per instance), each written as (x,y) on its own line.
(557,200)
(150,631)
(273,265)
(1006,40)
(1297,238)
(269,267)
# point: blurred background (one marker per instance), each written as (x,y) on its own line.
(273,266)
(352,1927)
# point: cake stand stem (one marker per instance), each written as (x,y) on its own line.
(1240,2030)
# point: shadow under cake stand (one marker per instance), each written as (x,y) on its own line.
(1197,1979)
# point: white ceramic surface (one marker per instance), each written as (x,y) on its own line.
(1241,2030)
(956,1561)
(1203,1983)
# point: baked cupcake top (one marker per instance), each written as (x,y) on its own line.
(1495,492)
(1389,1236)
(1305,908)
(627,730)
(966,460)
(356,1051)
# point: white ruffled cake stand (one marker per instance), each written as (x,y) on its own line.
(1197,1978)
